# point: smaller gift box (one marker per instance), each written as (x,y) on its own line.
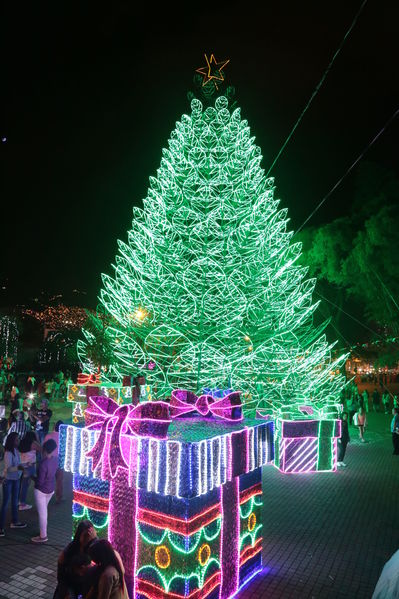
(121,394)
(308,444)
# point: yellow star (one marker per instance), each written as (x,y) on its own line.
(213,70)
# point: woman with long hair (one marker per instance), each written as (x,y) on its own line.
(12,475)
(66,574)
(29,447)
(59,475)
(110,572)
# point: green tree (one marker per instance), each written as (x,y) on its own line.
(208,285)
(357,255)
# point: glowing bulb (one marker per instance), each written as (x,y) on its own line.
(246,338)
(139,314)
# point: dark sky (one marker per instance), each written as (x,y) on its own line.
(91,95)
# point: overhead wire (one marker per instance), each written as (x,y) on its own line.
(386,289)
(350,315)
(338,183)
(318,86)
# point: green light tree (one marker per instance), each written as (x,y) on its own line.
(207,286)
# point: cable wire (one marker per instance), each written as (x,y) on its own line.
(318,86)
(389,121)
(350,315)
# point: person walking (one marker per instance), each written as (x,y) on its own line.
(343,441)
(29,448)
(12,474)
(110,582)
(44,487)
(395,431)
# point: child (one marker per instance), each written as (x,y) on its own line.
(44,486)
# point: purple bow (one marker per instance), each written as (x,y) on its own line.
(185,402)
(145,420)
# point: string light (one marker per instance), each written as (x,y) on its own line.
(212,237)
(60,317)
(162,557)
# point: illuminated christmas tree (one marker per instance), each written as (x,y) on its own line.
(207,286)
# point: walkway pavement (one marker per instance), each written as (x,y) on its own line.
(326,536)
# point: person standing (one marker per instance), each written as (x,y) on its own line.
(376,400)
(365,395)
(343,441)
(41,389)
(12,474)
(44,487)
(19,425)
(28,449)
(59,475)
(386,402)
(48,388)
(395,431)
(361,423)
(85,534)
(41,418)
(14,391)
(352,407)
(30,384)
(110,572)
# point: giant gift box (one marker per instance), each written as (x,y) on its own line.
(307,445)
(175,488)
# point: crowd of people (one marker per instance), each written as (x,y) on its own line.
(29,451)
(356,407)
(50,387)
(89,567)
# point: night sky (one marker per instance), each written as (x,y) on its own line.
(92,94)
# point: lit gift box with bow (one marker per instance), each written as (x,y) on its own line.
(176,487)
(306,439)
(90,385)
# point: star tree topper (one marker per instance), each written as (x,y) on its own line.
(213,70)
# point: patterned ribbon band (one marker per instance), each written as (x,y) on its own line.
(88,379)
(145,420)
(186,403)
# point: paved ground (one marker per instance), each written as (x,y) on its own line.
(325,536)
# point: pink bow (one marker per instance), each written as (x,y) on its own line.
(149,419)
(183,402)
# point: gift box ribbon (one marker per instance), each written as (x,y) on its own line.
(184,402)
(88,379)
(104,414)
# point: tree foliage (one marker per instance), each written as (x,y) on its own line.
(359,253)
(208,286)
